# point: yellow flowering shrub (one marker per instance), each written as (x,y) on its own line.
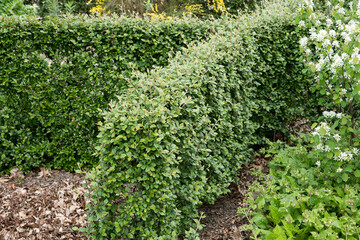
(98,9)
(217,6)
(156,14)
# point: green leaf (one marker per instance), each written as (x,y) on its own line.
(343,104)
(340,191)
(289,228)
(345,177)
(357,173)
(272,236)
(275,214)
(260,220)
(279,231)
(329,155)
(343,121)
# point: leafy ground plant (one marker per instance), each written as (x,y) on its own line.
(305,197)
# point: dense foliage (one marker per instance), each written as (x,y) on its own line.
(56,74)
(304,197)
(15,7)
(178,135)
(312,191)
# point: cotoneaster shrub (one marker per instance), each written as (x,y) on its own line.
(179,134)
(55,74)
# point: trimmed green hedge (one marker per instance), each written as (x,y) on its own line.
(282,88)
(55,75)
(178,136)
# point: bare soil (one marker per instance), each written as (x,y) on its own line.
(47,204)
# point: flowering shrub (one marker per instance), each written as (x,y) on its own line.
(336,63)
(312,191)
(335,60)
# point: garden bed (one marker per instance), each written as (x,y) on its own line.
(47,204)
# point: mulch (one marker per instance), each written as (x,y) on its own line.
(47,204)
(221,218)
(42,205)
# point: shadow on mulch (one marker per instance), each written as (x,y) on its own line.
(222,220)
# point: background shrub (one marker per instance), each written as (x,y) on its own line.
(283,84)
(179,134)
(56,74)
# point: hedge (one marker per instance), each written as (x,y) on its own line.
(56,73)
(178,136)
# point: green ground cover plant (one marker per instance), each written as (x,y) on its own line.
(56,74)
(177,137)
(312,190)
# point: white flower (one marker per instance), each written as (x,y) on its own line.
(323,126)
(318,66)
(356,50)
(309,4)
(302,23)
(326,42)
(329,22)
(321,35)
(339,170)
(303,41)
(341,11)
(332,33)
(327,148)
(347,39)
(313,36)
(342,156)
(318,163)
(351,27)
(347,76)
(312,30)
(337,137)
(355,151)
(315,133)
(339,25)
(330,114)
(336,44)
(337,62)
(339,115)
(308,51)
(344,56)
(319,147)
